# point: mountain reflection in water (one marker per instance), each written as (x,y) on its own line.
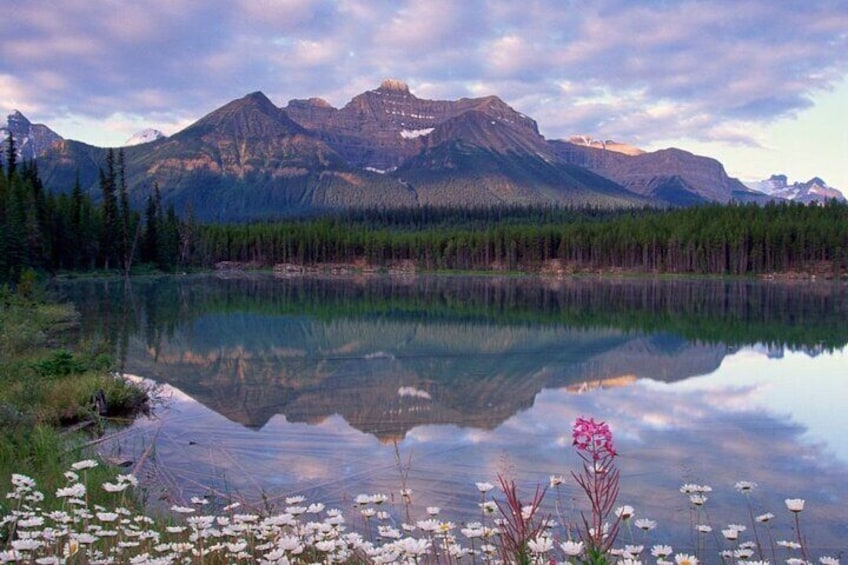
(284,386)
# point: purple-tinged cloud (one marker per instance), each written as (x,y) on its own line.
(636,70)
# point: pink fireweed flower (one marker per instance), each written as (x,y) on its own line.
(598,479)
(594,438)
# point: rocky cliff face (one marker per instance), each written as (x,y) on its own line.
(671,175)
(382,128)
(31,139)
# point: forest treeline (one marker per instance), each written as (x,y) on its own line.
(712,239)
(735,312)
(71,231)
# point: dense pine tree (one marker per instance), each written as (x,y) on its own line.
(11,157)
(49,233)
(109,213)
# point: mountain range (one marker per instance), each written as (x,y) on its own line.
(814,190)
(251,159)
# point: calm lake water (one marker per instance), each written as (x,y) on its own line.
(335,387)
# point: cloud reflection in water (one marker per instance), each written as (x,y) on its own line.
(781,426)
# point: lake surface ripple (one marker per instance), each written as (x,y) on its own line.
(332,387)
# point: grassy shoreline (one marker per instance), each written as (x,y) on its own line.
(55,392)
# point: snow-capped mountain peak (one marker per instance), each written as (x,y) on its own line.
(31,139)
(145,136)
(814,190)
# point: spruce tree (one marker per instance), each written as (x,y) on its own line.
(109,211)
(11,157)
(152,222)
(76,227)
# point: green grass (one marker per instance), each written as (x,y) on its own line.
(47,384)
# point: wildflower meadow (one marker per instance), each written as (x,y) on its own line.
(506,527)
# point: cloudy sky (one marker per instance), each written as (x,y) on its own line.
(762,85)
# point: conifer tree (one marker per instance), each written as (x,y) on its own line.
(76,226)
(152,221)
(109,212)
(4,227)
(128,227)
(11,157)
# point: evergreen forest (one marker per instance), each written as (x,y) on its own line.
(46,233)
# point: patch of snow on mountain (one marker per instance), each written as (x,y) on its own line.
(413,133)
(144,136)
(814,190)
(414,392)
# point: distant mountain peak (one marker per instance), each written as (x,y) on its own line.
(779,180)
(17,116)
(394,85)
(31,139)
(319,103)
(608,145)
(814,190)
(253,115)
(256,95)
(144,136)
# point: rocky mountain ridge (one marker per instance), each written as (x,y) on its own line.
(380,129)
(251,159)
(814,190)
(30,139)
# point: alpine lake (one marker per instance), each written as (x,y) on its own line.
(329,387)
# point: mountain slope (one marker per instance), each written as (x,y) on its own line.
(474,160)
(250,159)
(386,148)
(382,128)
(670,175)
